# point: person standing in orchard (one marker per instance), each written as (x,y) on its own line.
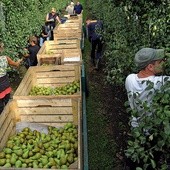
(5,88)
(51,19)
(94,33)
(150,64)
(44,35)
(31,52)
(70,8)
(78,8)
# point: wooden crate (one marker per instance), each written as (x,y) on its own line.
(48,60)
(73,56)
(74,19)
(67,34)
(57,116)
(57,56)
(69,25)
(48,76)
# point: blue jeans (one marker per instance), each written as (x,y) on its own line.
(96,44)
(42,39)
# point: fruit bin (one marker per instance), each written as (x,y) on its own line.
(48,76)
(12,114)
(67,34)
(56,51)
(60,57)
(74,19)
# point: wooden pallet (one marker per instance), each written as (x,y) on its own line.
(57,116)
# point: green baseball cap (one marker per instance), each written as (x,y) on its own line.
(146,55)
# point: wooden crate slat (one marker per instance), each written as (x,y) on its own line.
(45,102)
(43,111)
(54,80)
(4,116)
(69,31)
(9,131)
(5,122)
(25,84)
(47,118)
(51,68)
(56,74)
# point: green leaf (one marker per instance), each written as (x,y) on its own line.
(138,168)
(153,163)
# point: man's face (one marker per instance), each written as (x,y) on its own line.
(158,66)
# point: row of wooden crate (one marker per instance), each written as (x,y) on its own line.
(51,110)
(66,47)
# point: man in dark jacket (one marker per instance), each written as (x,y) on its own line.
(78,8)
(94,32)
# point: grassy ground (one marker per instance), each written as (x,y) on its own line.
(101,144)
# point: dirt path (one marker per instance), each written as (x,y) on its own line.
(107,121)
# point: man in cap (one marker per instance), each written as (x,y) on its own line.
(70,8)
(150,64)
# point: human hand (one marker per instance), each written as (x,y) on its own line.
(19,62)
(25,52)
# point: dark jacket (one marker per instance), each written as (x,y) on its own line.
(94,30)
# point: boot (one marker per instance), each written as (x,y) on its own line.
(97,64)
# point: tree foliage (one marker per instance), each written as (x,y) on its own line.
(130,25)
(21,19)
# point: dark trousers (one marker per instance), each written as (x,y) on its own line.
(96,50)
(3,102)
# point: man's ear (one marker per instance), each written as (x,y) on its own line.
(150,67)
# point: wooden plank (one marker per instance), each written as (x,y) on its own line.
(55,124)
(26,83)
(5,126)
(56,74)
(44,101)
(69,26)
(47,118)
(51,68)
(70,30)
(7,122)
(62,80)
(65,41)
(46,110)
(75,111)
(10,131)
(48,98)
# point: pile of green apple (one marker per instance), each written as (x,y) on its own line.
(32,149)
(68,89)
